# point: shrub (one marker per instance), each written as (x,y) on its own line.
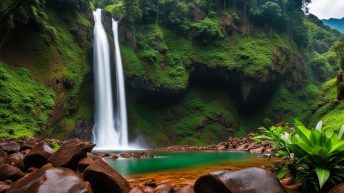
(207,29)
(314,157)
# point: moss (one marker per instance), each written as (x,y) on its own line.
(163,57)
(25,104)
(329,110)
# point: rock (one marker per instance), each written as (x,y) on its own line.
(28,144)
(104,178)
(10,147)
(10,172)
(136,190)
(51,180)
(38,156)
(70,153)
(186,189)
(164,189)
(15,159)
(151,183)
(3,187)
(242,147)
(84,163)
(257,150)
(250,180)
(337,189)
(3,154)
(287,185)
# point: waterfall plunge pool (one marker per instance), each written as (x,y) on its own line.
(183,168)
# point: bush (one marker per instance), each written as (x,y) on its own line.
(314,157)
(207,30)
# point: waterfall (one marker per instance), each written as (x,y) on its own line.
(110,129)
(122,122)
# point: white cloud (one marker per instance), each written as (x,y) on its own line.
(326,9)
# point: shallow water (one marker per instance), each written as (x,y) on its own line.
(182,168)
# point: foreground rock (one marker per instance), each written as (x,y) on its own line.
(38,156)
(186,189)
(8,172)
(105,179)
(51,180)
(251,180)
(70,153)
(337,189)
(3,187)
(10,147)
(15,159)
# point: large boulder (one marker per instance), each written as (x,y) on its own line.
(15,159)
(70,153)
(104,178)
(8,172)
(38,156)
(10,147)
(51,180)
(136,190)
(250,180)
(3,186)
(85,162)
(337,189)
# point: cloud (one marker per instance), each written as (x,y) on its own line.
(325,9)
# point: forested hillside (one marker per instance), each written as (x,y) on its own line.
(197,71)
(337,24)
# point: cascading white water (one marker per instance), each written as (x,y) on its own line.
(121,114)
(106,135)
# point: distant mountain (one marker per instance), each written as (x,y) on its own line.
(337,24)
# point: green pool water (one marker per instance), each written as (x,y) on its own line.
(177,160)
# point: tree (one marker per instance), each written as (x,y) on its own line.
(339,49)
(132,15)
(207,29)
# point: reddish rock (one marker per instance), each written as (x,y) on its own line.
(10,172)
(3,187)
(70,153)
(186,189)
(10,147)
(32,169)
(84,163)
(243,147)
(136,190)
(104,178)
(3,154)
(337,189)
(51,180)
(257,150)
(151,183)
(28,144)
(248,180)
(38,156)
(15,159)
(164,189)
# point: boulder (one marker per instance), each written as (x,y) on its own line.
(70,153)
(84,163)
(104,178)
(51,180)
(10,172)
(186,189)
(3,186)
(3,154)
(257,150)
(15,159)
(38,156)
(10,147)
(136,190)
(28,144)
(250,180)
(337,189)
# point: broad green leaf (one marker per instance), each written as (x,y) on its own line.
(319,126)
(341,132)
(323,176)
(300,127)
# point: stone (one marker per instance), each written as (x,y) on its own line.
(250,180)
(3,154)
(337,189)
(164,189)
(136,190)
(10,172)
(151,183)
(51,180)
(257,150)
(242,147)
(104,178)
(84,163)
(70,153)
(3,187)
(15,159)
(10,147)
(28,144)
(186,189)
(38,156)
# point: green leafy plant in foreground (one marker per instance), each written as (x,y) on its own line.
(314,157)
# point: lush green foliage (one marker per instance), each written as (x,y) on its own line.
(25,104)
(313,156)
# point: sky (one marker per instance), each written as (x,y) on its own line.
(326,9)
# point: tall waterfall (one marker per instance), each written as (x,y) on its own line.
(110,129)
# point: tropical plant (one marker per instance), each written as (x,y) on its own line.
(317,155)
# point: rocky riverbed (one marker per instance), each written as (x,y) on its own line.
(30,165)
